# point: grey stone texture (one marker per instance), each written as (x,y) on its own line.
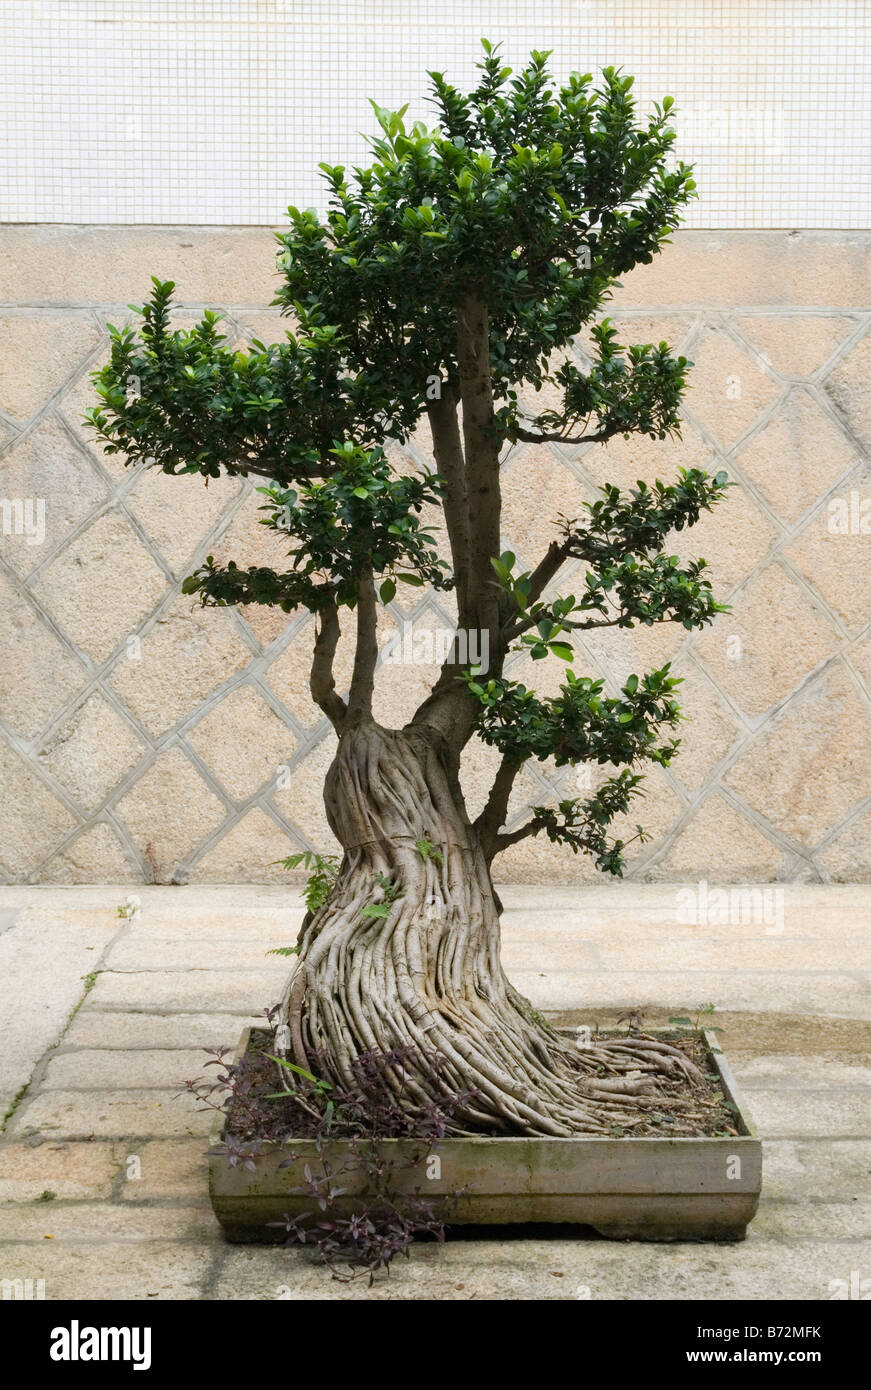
(145,740)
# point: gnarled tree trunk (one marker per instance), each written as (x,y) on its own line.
(428,975)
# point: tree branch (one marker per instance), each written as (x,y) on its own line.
(449,706)
(324,469)
(366,655)
(524,624)
(528,437)
(482,459)
(548,568)
(515,836)
(448,451)
(321,681)
(496,809)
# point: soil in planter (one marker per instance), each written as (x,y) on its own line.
(257,1112)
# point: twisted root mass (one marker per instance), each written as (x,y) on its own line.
(423,975)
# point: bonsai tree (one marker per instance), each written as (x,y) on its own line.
(444,280)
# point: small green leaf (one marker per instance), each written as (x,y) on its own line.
(300,1071)
(563,650)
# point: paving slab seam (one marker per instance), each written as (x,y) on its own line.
(269,972)
(70,1049)
(120,1008)
(39,1068)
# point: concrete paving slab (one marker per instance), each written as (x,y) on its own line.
(44,964)
(65,1169)
(559,1269)
(101,1221)
(134,1029)
(802,1073)
(791,1220)
(191,991)
(848,995)
(111,1270)
(166,1168)
(109,1115)
(148,952)
(817,1170)
(104,1126)
(107,1070)
(771,953)
(836,1113)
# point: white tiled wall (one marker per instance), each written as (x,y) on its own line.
(218,111)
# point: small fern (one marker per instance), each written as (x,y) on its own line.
(324,872)
(319,885)
(427,850)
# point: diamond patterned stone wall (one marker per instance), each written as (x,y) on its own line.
(144,739)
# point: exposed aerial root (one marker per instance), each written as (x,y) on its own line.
(526,1078)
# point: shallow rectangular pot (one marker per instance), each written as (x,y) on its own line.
(626,1189)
